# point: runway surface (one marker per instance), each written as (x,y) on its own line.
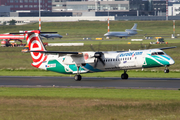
(136,83)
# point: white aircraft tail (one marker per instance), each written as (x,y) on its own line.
(134,27)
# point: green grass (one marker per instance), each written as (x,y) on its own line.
(88,93)
(88,104)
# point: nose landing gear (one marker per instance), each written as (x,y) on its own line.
(124,75)
(166,70)
(78,76)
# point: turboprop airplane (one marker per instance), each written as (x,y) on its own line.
(90,61)
(127,33)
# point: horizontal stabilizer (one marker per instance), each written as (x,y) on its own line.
(47,32)
(167,48)
(59,52)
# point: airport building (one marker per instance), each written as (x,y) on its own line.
(27,5)
(55,8)
(111,7)
(4,11)
(174,9)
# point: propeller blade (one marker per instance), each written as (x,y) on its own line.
(102,61)
(92,48)
(148,46)
(99,46)
(95,62)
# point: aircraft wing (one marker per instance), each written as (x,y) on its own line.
(78,54)
(167,48)
(122,35)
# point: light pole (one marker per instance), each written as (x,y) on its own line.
(39,16)
(166,9)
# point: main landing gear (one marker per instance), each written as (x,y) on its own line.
(166,70)
(78,76)
(124,75)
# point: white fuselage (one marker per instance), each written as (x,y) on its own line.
(113,60)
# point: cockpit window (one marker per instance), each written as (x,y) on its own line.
(157,53)
(154,53)
(160,53)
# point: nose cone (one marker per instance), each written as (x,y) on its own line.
(171,62)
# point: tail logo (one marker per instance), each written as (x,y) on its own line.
(35,44)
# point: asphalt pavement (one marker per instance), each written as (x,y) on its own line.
(90,82)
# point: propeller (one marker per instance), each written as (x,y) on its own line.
(145,47)
(98,56)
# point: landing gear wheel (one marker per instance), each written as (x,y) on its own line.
(124,76)
(77,77)
(166,70)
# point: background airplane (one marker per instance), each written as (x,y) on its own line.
(46,35)
(127,33)
(51,36)
(85,62)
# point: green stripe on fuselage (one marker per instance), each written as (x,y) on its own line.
(150,63)
(154,61)
(161,60)
(59,67)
